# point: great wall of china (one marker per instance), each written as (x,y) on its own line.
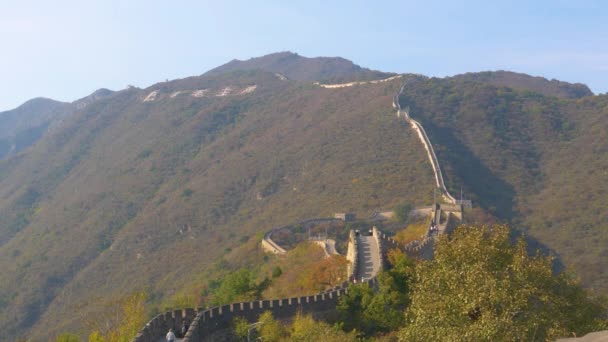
(214,324)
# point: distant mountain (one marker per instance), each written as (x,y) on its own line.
(95,96)
(25,125)
(526,82)
(296,67)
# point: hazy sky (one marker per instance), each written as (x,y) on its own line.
(67,49)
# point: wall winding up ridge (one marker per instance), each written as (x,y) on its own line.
(214,324)
(427,145)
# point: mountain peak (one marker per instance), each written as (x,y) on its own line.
(96,95)
(300,68)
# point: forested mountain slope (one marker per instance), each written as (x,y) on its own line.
(147,189)
(537,161)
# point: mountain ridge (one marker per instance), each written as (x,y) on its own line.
(299,68)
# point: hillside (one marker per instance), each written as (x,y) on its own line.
(148,189)
(296,67)
(536,161)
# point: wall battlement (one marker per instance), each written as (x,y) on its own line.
(216,323)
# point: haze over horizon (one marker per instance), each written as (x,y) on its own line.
(67,49)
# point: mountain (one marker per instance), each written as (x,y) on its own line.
(526,82)
(95,96)
(169,188)
(296,67)
(149,189)
(24,126)
(535,161)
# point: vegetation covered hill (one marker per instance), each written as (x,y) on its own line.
(526,82)
(537,161)
(296,67)
(129,195)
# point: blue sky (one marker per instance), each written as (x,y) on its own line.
(67,49)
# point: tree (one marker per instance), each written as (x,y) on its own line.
(270,329)
(241,327)
(402,212)
(482,287)
(381,310)
(236,286)
(124,319)
(305,328)
(276,272)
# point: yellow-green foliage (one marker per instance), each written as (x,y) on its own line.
(270,329)
(481,287)
(129,318)
(413,231)
(305,328)
(67,337)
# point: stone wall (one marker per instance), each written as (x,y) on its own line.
(215,324)
(352,255)
(270,246)
(380,242)
(161,323)
(426,142)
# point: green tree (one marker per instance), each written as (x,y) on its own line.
(380,310)
(402,212)
(236,286)
(270,329)
(481,287)
(305,328)
(241,327)
(276,272)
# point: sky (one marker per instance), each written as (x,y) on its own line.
(65,49)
